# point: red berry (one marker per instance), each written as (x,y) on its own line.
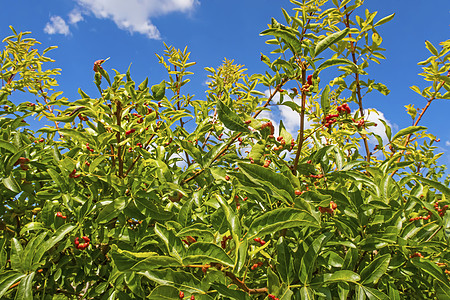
(258,240)
(86,239)
(309,79)
(227,178)
(181,295)
(76,242)
(192,297)
(298,192)
(262,243)
(59,214)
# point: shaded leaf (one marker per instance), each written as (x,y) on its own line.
(279,219)
(205,253)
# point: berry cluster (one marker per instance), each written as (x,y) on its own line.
(89,149)
(128,132)
(60,215)
(316,176)
(270,295)
(330,119)
(360,123)
(189,240)
(343,108)
(22,161)
(72,174)
(225,238)
(39,141)
(238,205)
(270,125)
(259,264)
(267,163)
(141,119)
(416,254)
(82,118)
(260,241)
(330,209)
(298,192)
(83,245)
(441,212)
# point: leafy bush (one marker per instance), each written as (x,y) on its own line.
(147,192)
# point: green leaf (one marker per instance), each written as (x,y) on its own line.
(185,213)
(343,275)
(180,279)
(230,119)
(173,243)
(208,159)
(198,229)
(278,219)
(7,279)
(288,37)
(285,266)
(227,292)
(95,163)
(112,210)
(325,100)
(205,253)
(407,131)
(59,181)
(329,40)
(24,290)
(279,183)
(164,292)
(377,268)
(17,262)
(374,294)
(159,90)
(431,48)
(332,62)
(32,226)
(306,293)
(59,234)
(232,217)
(435,184)
(8,146)
(384,20)
(69,117)
(431,269)
(308,262)
(11,184)
(140,261)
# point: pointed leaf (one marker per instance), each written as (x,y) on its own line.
(377,268)
(24,290)
(279,219)
(205,253)
(343,275)
(7,279)
(279,183)
(230,119)
(8,146)
(407,131)
(173,243)
(325,100)
(329,40)
(332,62)
(180,279)
(384,20)
(140,261)
(159,90)
(288,37)
(164,292)
(59,234)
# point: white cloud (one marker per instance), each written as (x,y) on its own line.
(447,143)
(75,16)
(57,25)
(290,118)
(135,15)
(372,115)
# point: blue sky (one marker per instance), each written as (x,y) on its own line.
(133,31)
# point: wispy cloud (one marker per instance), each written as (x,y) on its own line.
(136,15)
(447,143)
(75,16)
(57,25)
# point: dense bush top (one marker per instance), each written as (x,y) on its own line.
(146,192)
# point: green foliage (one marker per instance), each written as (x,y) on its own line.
(144,192)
